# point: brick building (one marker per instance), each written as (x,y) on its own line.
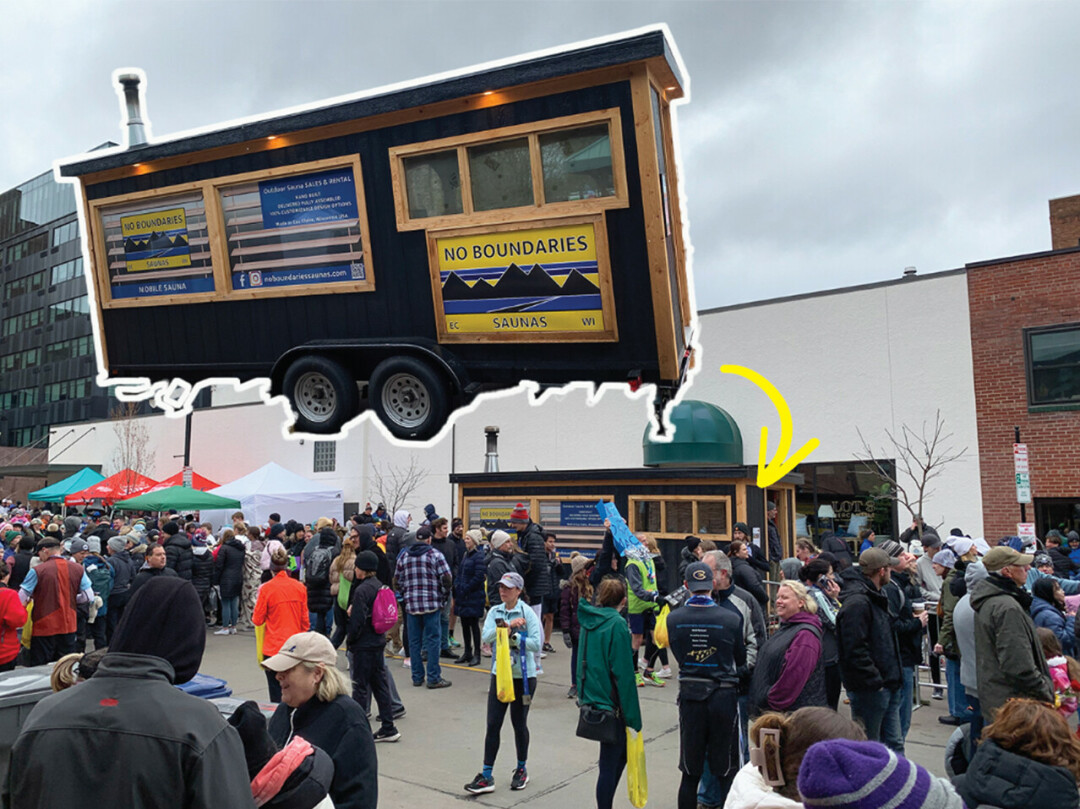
(1025,338)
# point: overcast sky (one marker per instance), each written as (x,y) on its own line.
(825,144)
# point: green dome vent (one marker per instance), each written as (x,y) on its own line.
(705,435)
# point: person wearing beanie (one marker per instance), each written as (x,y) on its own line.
(367,663)
(868,648)
(178,749)
(1009,657)
(690,553)
(537,574)
(281,608)
(505,557)
(845,774)
(124,571)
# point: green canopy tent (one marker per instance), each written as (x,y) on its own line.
(83,479)
(178,497)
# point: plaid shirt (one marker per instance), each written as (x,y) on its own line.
(420,580)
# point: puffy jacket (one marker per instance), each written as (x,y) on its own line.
(178,555)
(1009,657)
(395,544)
(341,729)
(838,548)
(202,569)
(749,791)
(1005,780)
(605,670)
(179,750)
(1064,566)
(320,599)
(101,575)
(361,632)
(147,573)
(282,608)
(1047,615)
(909,629)
(538,576)
(869,652)
(469,584)
(948,603)
(124,568)
(568,614)
(499,563)
(229,568)
(747,578)
(743,603)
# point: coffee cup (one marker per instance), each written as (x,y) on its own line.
(918,607)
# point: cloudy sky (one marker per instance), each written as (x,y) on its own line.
(825,144)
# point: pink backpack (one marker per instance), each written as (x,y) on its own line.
(384,611)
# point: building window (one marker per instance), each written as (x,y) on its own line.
(18,323)
(325,456)
(1053,365)
(68,309)
(65,233)
(66,271)
(24,397)
(35,244)
(565,165)
(66,349)
(675,517)
(68,390)
(20,360)
(23,286)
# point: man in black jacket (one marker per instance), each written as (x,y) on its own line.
(910,629)
(444,544)
(1064,566)
(531,541)
(178,554)
(869,652)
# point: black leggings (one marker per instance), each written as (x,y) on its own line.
(688,788)
(832,685)
(652,652)
(519,717)
(612,764)
(935,660)
(341,625)
(470,635)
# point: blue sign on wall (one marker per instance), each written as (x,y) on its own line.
(171,286)
(308,199)
(579,515)
(332,274)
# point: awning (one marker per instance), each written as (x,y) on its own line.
(56,493)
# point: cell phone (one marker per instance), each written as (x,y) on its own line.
(500,622)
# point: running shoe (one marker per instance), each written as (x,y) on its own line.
(440,683)
(454,642)
(407,664)
(665,672)
(639,680)
(652,678)
(479,785)
(519,779)
(223,631)
(386,735)
(485,650)
(549,648)
(400,712)
(543,654)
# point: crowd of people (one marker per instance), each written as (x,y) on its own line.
(764,649)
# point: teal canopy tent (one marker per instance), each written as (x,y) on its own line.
(178,497)
(83,479)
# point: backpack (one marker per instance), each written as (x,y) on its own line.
(317,566)
(384,611)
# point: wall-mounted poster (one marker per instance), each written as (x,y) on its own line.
(299,230)
(523,283)
(158,247)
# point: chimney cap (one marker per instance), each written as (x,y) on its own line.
(909,272)
(129,78)
(491,429)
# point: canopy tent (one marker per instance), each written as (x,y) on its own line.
(178,497)
(56,493)
(125,483)
(273,488)
(197,482)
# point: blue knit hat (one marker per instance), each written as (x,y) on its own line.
(843,774)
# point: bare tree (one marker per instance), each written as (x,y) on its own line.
(920,458)
(393,485)
(133,449)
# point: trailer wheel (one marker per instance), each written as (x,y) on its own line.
(410,397)
(323,394)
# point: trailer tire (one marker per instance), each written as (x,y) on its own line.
(322,393)
(410,397)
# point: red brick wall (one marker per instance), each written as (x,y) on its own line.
(1065,222)
(1004,299)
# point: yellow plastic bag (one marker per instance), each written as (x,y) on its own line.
(659,633)
(260,635)
(28,627)
(637,783)
(504,671)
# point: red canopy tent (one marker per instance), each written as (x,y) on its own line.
(125,483)
(197,482)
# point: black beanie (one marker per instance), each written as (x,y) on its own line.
(165,619)
(171,528)
(692,543)
(259,748)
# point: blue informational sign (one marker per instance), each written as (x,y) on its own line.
(333,274)
(172,286)
(579,515)
(308,199)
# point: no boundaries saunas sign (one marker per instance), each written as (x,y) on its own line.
(531,281)
(304,231)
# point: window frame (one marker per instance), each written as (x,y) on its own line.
(217,237)
(1029,368)
(328,452)
(568,538)
(527,213)
(663,499)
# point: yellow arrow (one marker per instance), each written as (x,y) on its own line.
(770,471)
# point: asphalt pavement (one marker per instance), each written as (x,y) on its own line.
(442,735)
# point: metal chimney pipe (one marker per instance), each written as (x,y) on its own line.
(491,457)
(136,130)
(910,272)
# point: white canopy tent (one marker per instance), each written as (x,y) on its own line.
(273,488)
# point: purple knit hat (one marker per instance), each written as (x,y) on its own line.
(843,774)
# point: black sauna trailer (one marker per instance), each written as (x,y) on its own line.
(407,250)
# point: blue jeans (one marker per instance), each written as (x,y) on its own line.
(322,621)
(958,703)
(444,625)
(879,712)
(230,611)
(907,692)
(424,631)
(976,725)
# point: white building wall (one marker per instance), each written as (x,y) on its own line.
(872,358)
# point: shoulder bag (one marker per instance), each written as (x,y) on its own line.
(598,724)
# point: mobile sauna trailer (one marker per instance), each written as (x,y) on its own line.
(407,250)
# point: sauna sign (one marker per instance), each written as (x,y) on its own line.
(310,199)
(156,241)
(527,281)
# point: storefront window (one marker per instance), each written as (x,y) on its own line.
(841,498)
(676,518)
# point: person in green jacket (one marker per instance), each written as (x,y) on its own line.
(605,677)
